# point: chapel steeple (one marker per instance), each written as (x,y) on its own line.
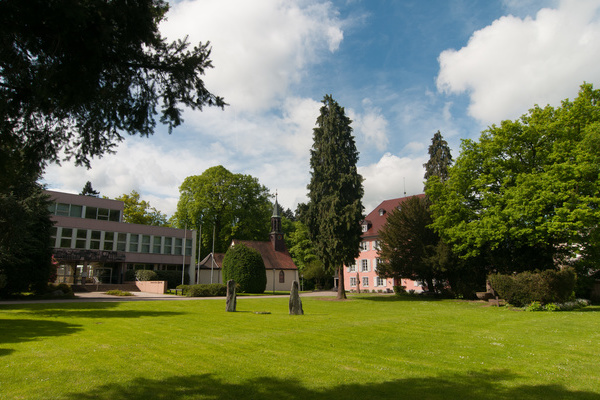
(276,234)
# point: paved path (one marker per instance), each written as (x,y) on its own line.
(142,296)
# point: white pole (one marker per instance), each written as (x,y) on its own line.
(212,265)
(183,252)
(199,250)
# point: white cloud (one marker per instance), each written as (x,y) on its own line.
(259,48)
(390,177)
(514,63)
(371,126)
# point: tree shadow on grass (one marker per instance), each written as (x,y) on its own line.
(476,385)
(396,298)
(24,330)
(103,310)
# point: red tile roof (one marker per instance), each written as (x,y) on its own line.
(376,221)
(272,259)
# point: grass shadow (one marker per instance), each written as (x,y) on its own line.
(23,330)
(395,298)
(476,385)
(101,310)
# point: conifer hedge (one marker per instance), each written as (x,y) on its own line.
(246,267)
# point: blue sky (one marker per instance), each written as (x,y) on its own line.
(401,69)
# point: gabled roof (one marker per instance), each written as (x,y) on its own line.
(206,263)
(272,259)
(376,221)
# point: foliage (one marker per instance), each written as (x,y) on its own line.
(76,75)
(173,278)
(204,290)
(548,286)
(408,246)
(146,275)
(246,267)
(136,211)
(234,205)
(88,190)
(25,227)
(335,209)
(440,158)
(526,195)
(118,292)
(299,244)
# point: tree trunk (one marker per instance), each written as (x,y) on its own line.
(430,286)
(341,294)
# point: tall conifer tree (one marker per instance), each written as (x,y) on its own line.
(335,207)
(440,158)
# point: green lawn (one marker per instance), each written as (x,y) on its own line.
(368,347)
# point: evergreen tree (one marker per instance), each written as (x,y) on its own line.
(88,190)
(335,208)
(440,158)
(246,267)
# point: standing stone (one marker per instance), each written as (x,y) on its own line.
(231,300)
(295,302)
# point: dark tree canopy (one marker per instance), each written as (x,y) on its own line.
(75,75)
(88,190)
(335,209)
(440,158)
(246,267)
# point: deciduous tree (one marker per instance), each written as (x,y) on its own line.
(136,211)
(335,209)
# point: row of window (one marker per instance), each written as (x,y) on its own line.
(78,211)
(364,265)
(118,241)
(366,245)
(378,281)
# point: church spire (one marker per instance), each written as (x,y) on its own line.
(276,234)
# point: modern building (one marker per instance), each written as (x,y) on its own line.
(91,240)
(362,275)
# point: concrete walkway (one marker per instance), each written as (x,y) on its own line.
(142,296)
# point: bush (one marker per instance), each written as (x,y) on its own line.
(129,275)
(399,289)
(146,275)
(118,292)
(246,267)
(549,286)
(204,290)
(173,278)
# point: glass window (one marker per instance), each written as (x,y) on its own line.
(133,243)
(62,209)
(103,214)
(178,243)
(75,211)
(95,240)
(80,242)
(365,281)
(65,237)
(108,240)
(364,246)
(156,245)
(353,281)
(364,265)
(121,242)
(90,212)
(168,244)
(145,244)
(188,247)
(52,208)
(281,277)
(114,215)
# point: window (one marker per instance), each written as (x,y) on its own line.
(90,212)
(114,215)
(156,246)
(133,242)
(145,244)
(109,238)
(65,237)
(178,243)
(375,264)
(364,246)
(377,245)
(381,212)
(122,242)
(281,277)
(364,265)
(365,228)
(380,281)
(95,240)
(188,247)
(365,281)
(75,211)
(81,241)
(353,281)
(103,214)
(352,267)
(168,243)
(62,209)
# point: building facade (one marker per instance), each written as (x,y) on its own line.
(91,242)
(362,275)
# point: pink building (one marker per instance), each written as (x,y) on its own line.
(362,275)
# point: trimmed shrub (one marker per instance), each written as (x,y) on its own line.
(146,275)
(246,267)
(130,275)
(549,286)
(173,278)
(205,290)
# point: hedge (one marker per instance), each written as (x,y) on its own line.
(204,290)
(549,286)
(246,267)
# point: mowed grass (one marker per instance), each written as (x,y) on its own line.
(369,347)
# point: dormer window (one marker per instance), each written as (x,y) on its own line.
(365,227)
(381,212)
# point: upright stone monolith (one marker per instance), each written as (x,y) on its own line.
(295,302)
(231,300)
